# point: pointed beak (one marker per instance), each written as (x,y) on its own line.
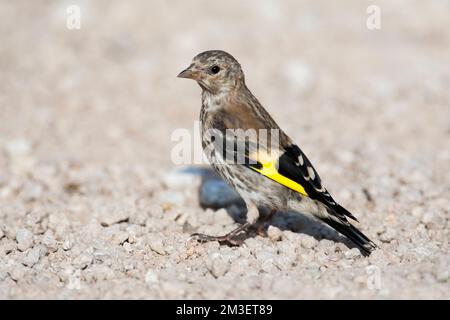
(189,73)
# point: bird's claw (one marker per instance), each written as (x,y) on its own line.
(229,238)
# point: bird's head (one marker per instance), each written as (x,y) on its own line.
(215,71)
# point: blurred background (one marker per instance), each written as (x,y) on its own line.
(88,113)
(109,92)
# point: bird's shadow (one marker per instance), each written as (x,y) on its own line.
(293,221)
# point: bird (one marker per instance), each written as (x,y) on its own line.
(248,149)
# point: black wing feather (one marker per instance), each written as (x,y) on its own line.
(294,165)
(359,239)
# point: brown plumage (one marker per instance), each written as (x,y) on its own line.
(274,174)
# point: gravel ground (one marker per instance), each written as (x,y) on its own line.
(91,205)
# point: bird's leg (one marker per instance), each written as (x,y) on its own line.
(252,216)
(260,224)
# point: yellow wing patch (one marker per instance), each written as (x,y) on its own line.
(270,171)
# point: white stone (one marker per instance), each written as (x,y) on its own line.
(217,266)
(157,245)
(309,242)
(151,277)
(274,233)
(33,256)
(18,147)
(24,239)
(352,253)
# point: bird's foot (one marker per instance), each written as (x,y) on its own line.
(229,238)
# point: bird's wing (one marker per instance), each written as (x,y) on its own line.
(285,164)
(291,168)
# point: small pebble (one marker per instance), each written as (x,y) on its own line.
(157,246)
(388,235)
(18,147)
(352,253)
(119,237)
(432,218)
(151,277)
(68,243)
(8,247)
(82,261)
(18,272)
(309,242)
(24,239)
(33,256)
(112,215)
(274,233)
(49,242)
(107,221)
(217,266)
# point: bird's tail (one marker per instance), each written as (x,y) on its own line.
(357,237)
(337,219)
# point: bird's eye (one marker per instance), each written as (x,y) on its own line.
(215,69)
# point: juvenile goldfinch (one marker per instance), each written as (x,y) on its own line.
(270,176)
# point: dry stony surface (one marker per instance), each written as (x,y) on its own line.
(92,206)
